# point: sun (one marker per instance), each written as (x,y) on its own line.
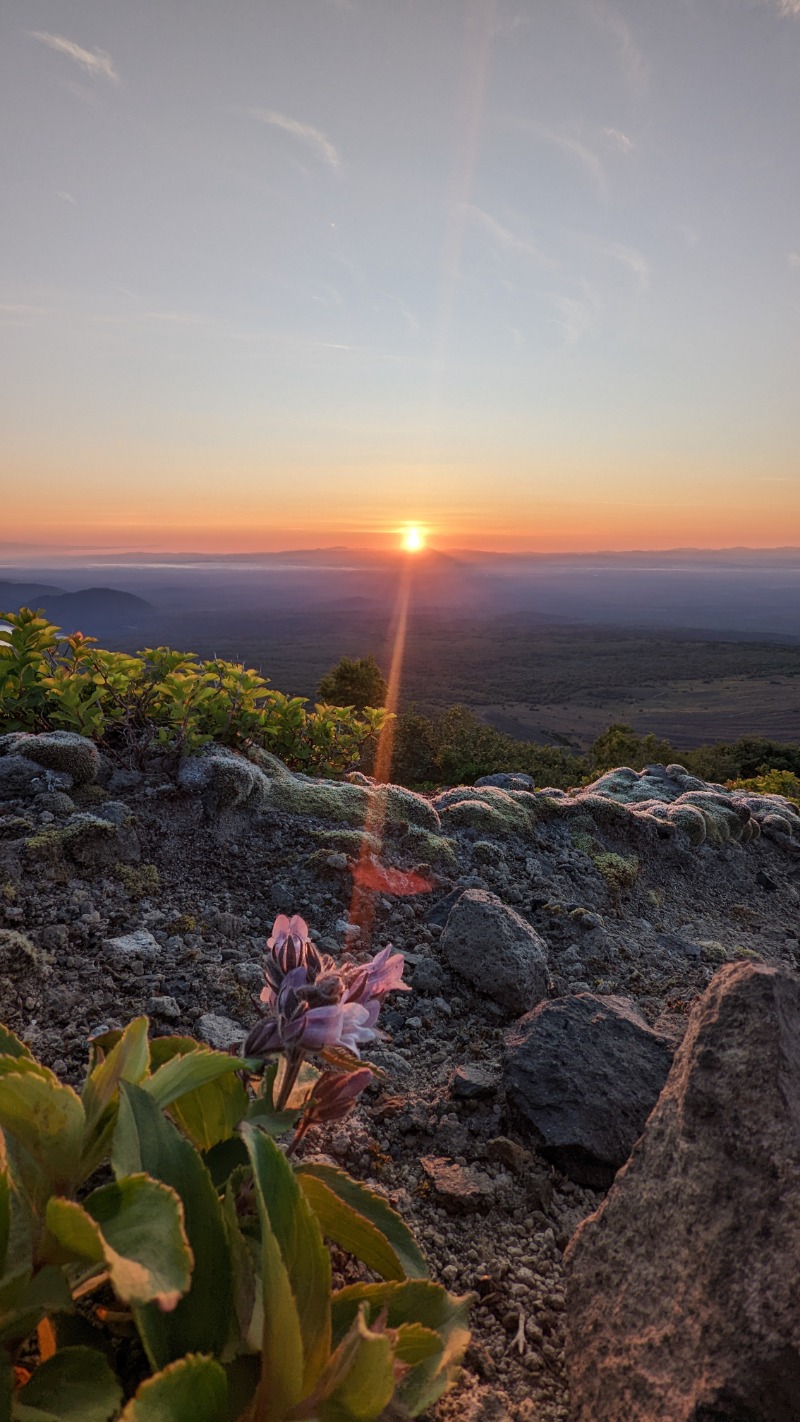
(413,538)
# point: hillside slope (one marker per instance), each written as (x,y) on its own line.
(640,887)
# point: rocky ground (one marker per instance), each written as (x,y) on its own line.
(127,891)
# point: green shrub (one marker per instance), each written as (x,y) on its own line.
(156,1202)
(773,782)
(358,683)
(165,700)
(455,748)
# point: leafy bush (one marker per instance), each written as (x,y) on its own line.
(165,700)
(155,1205)
(456,748)
(358,683)
(773,782)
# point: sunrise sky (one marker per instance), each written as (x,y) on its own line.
(283,273)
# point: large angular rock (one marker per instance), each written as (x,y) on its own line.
(683,1288)
(496,950)
(585,1072)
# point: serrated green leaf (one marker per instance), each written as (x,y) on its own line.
(193,1389)
(283,1362)
(10,1044)
(413,1343)
(145,1140)
(367,1386)
(207,1114)
(135,1228)
(75,1385)
(46,1118)
(362,1222)
(415,1301)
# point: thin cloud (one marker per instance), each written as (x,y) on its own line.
(619,139)
(628,257)
(634,63)
(794,259)
(95,61)
(571,147)
(574,318)
(67,197)
(500,235)
(312,137)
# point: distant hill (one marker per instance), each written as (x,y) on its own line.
(95,611)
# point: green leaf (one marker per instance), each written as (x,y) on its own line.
(5,1205)
(24,1301)
(135,1228)
(187,1072)
(413,1343)
(362,1222)
(416,1301)
(367,1386)
(190,1390)
(10,1045)
(210,1113)
(127,1060)
(283,1364)
(145,1140)
(75,1385)
(46,1118)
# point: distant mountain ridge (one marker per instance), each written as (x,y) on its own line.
(92,610)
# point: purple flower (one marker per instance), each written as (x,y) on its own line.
(287,940)
(304,1018)
(373,981)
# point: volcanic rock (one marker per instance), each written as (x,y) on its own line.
(585,1072)
(682,1297)
(496,950)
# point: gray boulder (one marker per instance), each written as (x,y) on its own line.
(127,946)
(585,1072)
(496,950)
(19,777)
(682,1298)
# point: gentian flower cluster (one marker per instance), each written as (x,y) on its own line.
(314,1006)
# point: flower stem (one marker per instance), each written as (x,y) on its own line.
(293,1062)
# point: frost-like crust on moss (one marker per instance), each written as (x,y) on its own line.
(62,751)
(486,808)
(670,800)
(260,783)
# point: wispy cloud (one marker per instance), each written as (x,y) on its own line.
(794,259)
(619,139)
(502,236)
(573,317)
(95,61)
(634,63)
(571,146)
(312,137)
(628,257)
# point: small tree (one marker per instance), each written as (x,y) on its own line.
(359,683)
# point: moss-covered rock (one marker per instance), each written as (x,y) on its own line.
(140,881)
(19,957)
(487,808)
(260,782)
(85,840)
(61,751)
